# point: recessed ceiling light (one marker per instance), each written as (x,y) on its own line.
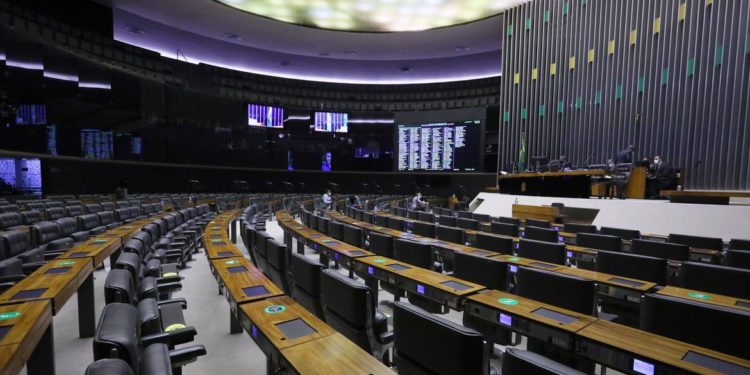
(134,29)
(233,36)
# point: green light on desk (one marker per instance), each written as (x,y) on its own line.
(379,260)
(508,301)
(66,263)
(10,315)
(98,241)
(514,259)
(275,309)
(231,262)
(697,295)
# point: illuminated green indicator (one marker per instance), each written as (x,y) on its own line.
(514,259)
(698,295)
(275,309)
(379,261)
(231,262)
(508,301)
(66,263)
(10,315)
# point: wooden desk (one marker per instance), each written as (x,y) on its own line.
(621,347)
(98,248)
(580,172)
(524,211)
(332,354)
(221,248)
(705,297)
(419,281)
(242,283)
(573,184)
(46,284)
(622,290)
(26,338)
(522,315)
(261,321)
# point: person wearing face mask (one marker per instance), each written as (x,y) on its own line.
(417,203)
(660,176)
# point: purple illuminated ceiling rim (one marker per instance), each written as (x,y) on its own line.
(199,48)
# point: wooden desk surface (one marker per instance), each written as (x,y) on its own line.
(99,248)
(221,248)
(28,322)
(605,278)
(267,321)
(705,193)
(235,283)
(706,297)
(580,172)
(58,287)
(524,307)
(322,240)
(333,354)
(223,264)
(423,276)
(653,346)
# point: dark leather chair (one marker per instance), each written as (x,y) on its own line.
(625,234)
(108,206)
(504,229)
(117,337)
(599,241)
(634,266)
(536,223)
(381,221)
(579,228)
(91,224)
(451,234)
(423,229)
(737,259)
(107,219)
(448,221)
(276,255)
(122,215)
(112,367)
(509,220)
(739,244)
(54,213)
(74,211)
(522,362)
(665,250)
(69,228)
(543,251)
(10,221)
(489,272)
(396,223)
(497,244)
(717,279)
(93,208)
(697,241)
(46,234)
(467,223)
(31,217)
(306,283)
(540,234)
(350,308)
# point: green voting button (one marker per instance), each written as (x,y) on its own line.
(699,295)
(10,315)
(231,262)
(275,309)
(514,259)
(379,260)
(99,241)
(66,263)
(508,301)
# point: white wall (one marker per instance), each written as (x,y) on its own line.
(648,216)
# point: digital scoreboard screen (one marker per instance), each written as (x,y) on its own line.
(96,144)
(265,116)
(439,146)
(331,122)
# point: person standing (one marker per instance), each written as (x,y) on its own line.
(626,155)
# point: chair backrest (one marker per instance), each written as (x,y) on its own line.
(135,211)
(658,249)
(353,235)
(423,229)
(504,228)
(509,220)
(74,211)
(9,220)
(738,244)
(579,228)
(625,234)
(450,234)
(68,226)
(448,221)
(36,206)
(31,217)
(461,351)
(93,208)
(543,251)
(522,362)
(463,214)
(395,223)
(88,222)
(425,216)
(482,218)
(487,241)
(489,272)
(122,214)
(467,223)
(117,334)
(414,215)
(276,254)
(108,206)
(119,287)
(414,253)
(13,243)
(728,281)
(322,225)
(44,232)
(697,241)
(348,307)
(306,283)
(599,241)
(540,234)
(737,259)
(536,223)
(106,217)
(633,266)
(570,292)
(381,244)
(122,204)
(381,221)
(336,230)
(54,213)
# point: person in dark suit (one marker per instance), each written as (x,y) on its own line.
(626,155)
(660,176)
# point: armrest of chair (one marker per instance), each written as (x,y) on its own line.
(182,356)
(11,279)
(29,268)
(49,256)
(169,287)
(181,301)
(175,337)
(386,338)
(168,279)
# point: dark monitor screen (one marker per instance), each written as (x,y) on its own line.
(554,315)
(398,267)
(237,269)
(4,331)
(255,291)
(439,146)
(455,285)
(715,364)
(57,270)
(225,253)
(31,293)
(295,328)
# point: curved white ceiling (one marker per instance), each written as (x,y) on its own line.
(212,33)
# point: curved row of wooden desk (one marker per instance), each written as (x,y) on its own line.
(610,344)
(26,309)
(289,335)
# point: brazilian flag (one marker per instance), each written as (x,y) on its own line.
(522,153)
